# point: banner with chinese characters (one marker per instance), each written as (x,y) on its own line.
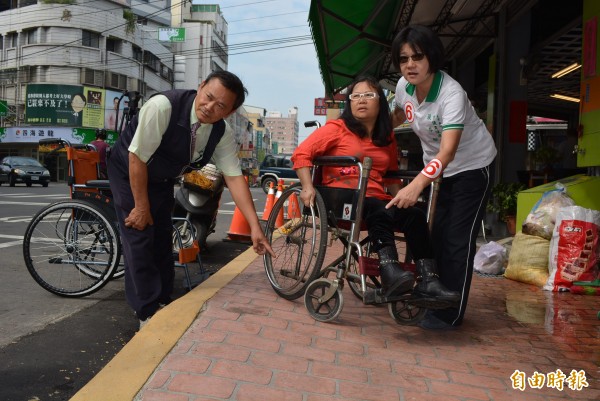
(48,104)
(34,134)
(93,114)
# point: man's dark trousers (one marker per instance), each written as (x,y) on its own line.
(148,254)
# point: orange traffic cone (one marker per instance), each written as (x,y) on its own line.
(279,221)
(270,202)
(239,230)
(293,209)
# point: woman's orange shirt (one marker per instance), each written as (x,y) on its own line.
(334,139)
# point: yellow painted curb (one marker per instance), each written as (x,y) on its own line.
(123,377)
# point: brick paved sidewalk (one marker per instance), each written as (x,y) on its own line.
(249,344)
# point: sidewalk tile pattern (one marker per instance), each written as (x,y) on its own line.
(250,345)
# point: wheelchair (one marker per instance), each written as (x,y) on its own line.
(300,237)
(72,248)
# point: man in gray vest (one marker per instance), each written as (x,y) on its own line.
(173,132)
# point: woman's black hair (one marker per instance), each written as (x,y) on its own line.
(383,125)
(422,40)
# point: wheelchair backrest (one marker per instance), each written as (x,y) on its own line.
(83,167)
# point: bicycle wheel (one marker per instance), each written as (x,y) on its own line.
(71,248)
(299,243)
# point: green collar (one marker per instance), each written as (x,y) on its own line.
(434,91)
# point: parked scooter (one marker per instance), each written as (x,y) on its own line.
(197,199)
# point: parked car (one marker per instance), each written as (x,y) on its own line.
(276,167)
(15,169)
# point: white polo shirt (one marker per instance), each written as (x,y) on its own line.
(446,107)
(153,121)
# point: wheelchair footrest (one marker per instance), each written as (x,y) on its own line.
(375,297)
(368,266)
(430,303)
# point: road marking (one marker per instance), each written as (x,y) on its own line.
(53,196)
(7,236)
(9,244)
(16,219)
(24,203)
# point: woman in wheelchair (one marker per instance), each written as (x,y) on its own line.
(365,129)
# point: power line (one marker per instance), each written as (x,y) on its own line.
(204,53)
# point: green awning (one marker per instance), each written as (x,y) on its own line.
(352,38)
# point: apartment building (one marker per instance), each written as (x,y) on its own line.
(77,44)
(65,65)
(284,130)
(205,48)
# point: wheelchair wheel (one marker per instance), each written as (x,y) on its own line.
(405,314)
(109,212)
(321,307)
(71,248)
(299,243)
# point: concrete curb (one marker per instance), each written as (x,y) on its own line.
(125,375)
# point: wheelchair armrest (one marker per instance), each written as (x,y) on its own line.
(410,174)
(335,161)
(100,184)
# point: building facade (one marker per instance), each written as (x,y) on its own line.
(283,130)
(205,48)
(65,67)
(97,44)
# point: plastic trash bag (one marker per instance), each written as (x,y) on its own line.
(540,221)
(574,248)
(490,259)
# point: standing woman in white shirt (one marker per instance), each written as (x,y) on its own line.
(457,146)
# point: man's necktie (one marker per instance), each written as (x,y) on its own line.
(193,132)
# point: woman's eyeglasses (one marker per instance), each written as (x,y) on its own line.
(414,57)
(366,96)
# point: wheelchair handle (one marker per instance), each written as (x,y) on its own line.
(336,161)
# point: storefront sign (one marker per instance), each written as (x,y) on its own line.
(54,104)
(171,34)
(3,108)
(93,115)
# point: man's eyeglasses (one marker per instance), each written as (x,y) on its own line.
(366,96)
(414,57)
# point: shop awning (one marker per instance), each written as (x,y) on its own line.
(352,38)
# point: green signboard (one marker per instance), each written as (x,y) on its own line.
(171,34)
(3,108)
(54,104)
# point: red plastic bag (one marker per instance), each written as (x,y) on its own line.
(573,248)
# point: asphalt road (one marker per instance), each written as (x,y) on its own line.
(51,346)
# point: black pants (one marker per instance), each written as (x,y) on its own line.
(382,222)
(461,204)
(148,254)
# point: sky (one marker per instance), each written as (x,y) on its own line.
(271,50)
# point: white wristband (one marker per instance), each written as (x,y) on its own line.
(433,169)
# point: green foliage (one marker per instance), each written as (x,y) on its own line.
(131,19)
(59,1)
(545,156)
(503,199)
